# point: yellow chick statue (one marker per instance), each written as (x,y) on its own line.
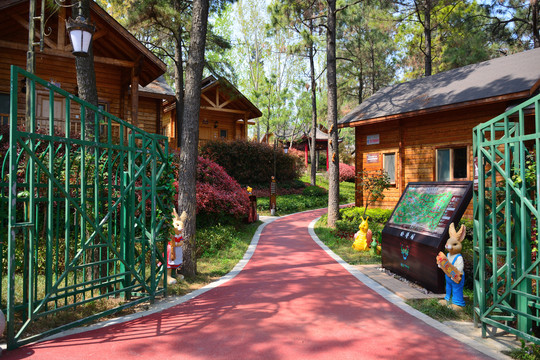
(360,238)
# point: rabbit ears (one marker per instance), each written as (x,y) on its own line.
(181,218)
(459,235)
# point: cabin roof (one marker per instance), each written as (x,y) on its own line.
(158,88)
(111,40)
(237,100)
(221,95)
(510,77)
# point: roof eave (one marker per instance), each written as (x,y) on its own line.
(487,101)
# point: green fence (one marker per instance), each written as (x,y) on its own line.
(506,209)
(84,217)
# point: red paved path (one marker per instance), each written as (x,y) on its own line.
(291,301)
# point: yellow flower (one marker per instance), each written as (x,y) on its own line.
(249,190)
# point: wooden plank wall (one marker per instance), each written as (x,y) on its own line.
(62,71)
(415,140)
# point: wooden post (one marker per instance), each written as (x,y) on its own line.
(245,126)
(135,95)
(306,154)
(273,196)
(61,42)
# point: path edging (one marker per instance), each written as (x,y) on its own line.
(396,300)
(171,301)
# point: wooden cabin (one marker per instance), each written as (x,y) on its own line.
(421,130)
(225,113)
(124,67)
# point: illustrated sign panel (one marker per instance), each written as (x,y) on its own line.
(427,209)
(418,229)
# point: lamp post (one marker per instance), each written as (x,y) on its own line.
(285,147)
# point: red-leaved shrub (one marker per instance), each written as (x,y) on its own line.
(217,192)
(346,173)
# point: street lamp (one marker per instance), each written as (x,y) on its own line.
(285,147)
(80,32)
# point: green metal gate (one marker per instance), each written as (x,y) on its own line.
(84,222)
(506,209)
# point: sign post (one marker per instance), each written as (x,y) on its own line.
(273,196)
(418,229)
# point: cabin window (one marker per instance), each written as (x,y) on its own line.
(223,134)
(59,108)
(452,164)
(4,109)
(103,121)
(389,165)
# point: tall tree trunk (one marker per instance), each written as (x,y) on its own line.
(534,21)
(313,111)
(361,84)
(86,76)
(427,34)
(179,85)
(333,153)
(86,84)
(190,131)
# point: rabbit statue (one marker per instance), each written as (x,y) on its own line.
(174,248)
(452,264)
(363,236)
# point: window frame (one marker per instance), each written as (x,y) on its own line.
(5,115)
(384,154)
(451,160)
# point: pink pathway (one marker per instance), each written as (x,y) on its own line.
(291,301)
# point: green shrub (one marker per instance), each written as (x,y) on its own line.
(468,253)
(210,240)
(313,190)
(252,163)
(354,214)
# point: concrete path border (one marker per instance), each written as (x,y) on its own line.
(396,300)
(388,295)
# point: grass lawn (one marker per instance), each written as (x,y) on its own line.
(213,265)
(343,247)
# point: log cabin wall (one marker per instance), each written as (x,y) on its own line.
(415,141)
(61,71)
(213,125)
(120,62)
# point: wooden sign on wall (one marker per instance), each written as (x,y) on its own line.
(373,161)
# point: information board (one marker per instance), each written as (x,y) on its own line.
(418,229)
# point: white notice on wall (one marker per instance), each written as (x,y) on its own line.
(373,139)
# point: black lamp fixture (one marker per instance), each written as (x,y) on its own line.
(215,125)
(285,147)
(80,32)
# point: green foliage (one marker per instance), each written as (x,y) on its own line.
(211,240)
(433,309)
(289,204)
(340,242)
(252,163)
(314,190)
(374,183)
(525,352)
(366,39)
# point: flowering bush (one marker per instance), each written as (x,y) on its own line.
(346,173)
